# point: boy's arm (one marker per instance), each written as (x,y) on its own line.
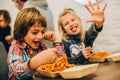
(17,65)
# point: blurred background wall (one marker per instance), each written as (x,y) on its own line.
(107,40)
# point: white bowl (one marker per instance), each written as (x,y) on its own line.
(49,74)
(79,71)
(114,57)
(97,59)
(72,73)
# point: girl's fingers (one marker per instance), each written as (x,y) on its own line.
(104,6)
(92,20)
(87,56)
(90,10)
(88,48)
(91,5)
(97,3)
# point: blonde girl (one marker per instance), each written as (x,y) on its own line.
(77,42)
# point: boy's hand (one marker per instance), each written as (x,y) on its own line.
(50,35)
(44,57)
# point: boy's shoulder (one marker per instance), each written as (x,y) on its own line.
(16,47)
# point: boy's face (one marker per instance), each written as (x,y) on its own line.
(3,22)
(19,4)
(71,24)
(34,36)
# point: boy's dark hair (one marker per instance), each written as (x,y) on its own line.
(25,19)
(6,15)
(20,0)
(24,0)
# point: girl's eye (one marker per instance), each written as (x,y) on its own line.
(66,23)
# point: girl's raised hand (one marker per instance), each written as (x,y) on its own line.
(97,14)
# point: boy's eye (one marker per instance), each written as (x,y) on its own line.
(34,33)
(43,31)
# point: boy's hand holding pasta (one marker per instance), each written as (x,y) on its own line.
(46,56)
(59,65)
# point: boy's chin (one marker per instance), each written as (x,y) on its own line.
(35,47)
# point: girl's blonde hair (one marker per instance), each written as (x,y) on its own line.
(60,25)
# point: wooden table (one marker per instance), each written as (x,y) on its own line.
(105,71)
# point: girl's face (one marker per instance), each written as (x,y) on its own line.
(71,24)
(3,22)
(34,36)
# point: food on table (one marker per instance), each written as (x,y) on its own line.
(59,65)
(99,54)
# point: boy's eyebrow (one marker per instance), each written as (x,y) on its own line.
(37,29)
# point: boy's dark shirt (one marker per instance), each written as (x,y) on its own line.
(3,33)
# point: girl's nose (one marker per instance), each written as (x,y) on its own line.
(71,24)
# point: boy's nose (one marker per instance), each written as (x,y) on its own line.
(39,37)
